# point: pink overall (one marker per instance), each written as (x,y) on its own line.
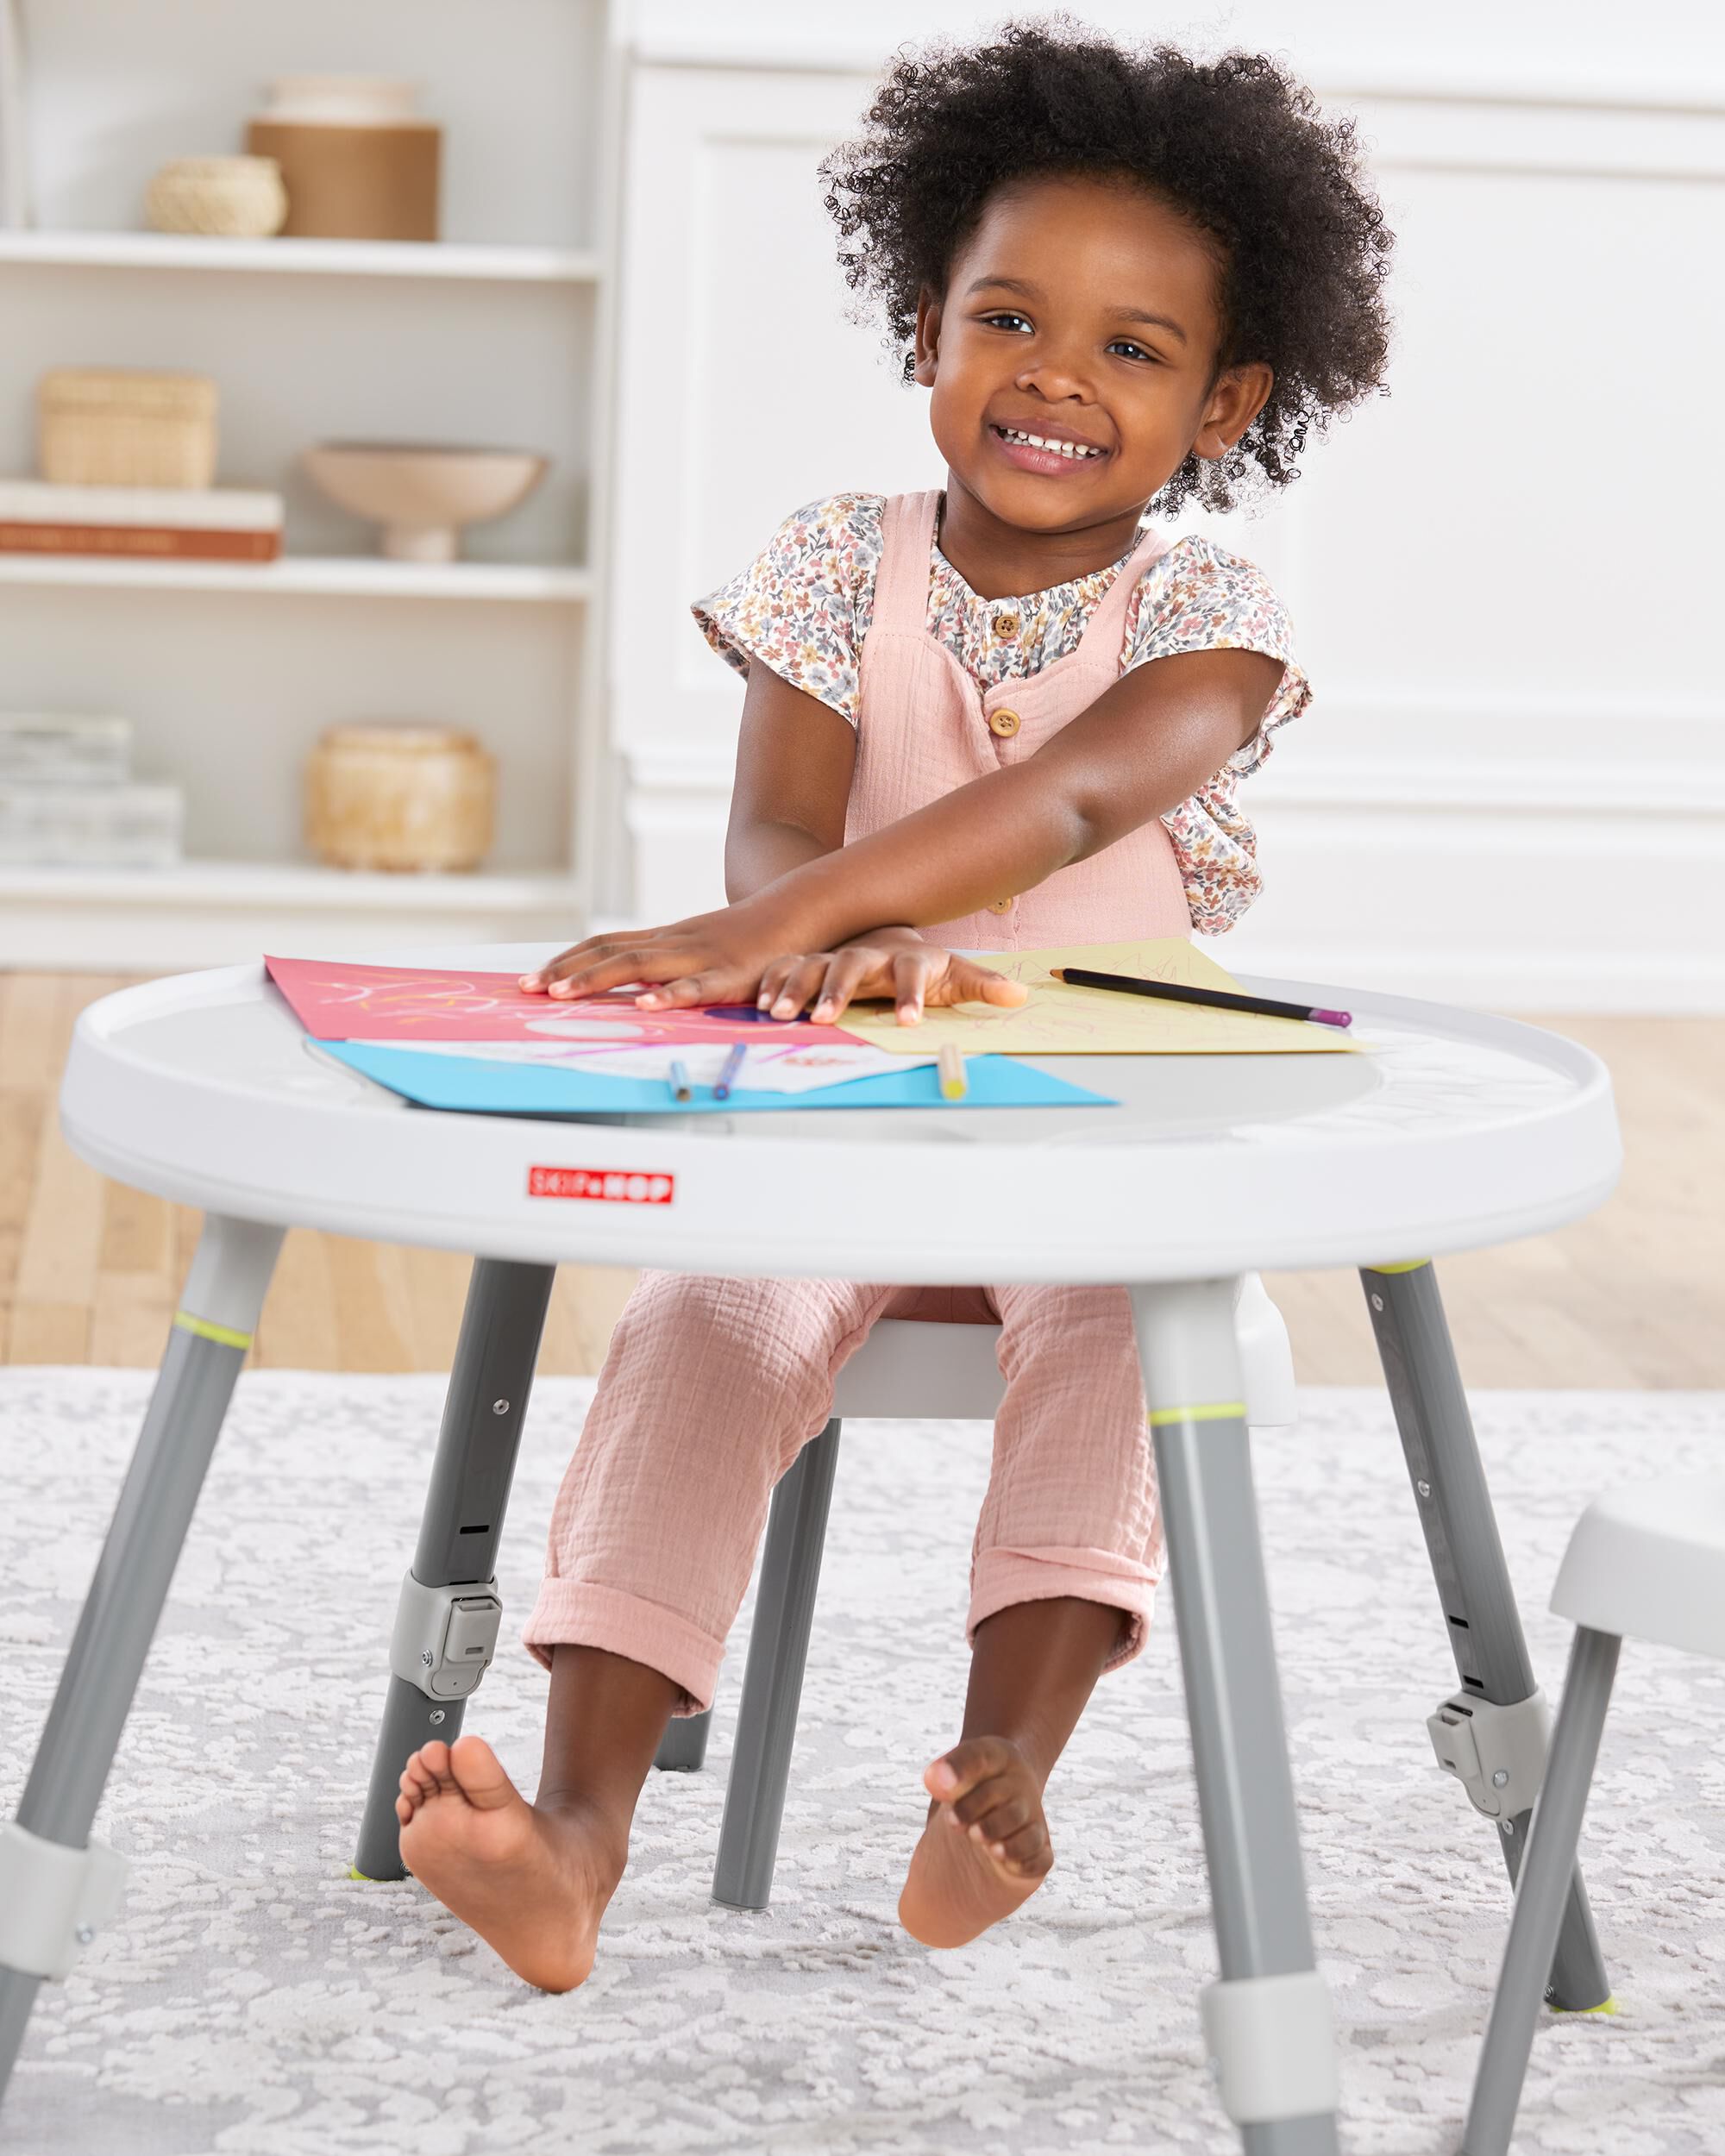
(712,1386)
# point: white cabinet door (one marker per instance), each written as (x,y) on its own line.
(1510,786)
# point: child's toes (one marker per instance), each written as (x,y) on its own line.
(1027,1854)
(958,1771)
(433,1761)
(1006,1817)
(417,1782)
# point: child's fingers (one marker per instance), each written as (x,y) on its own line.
(971,1761)
(591,951)
(801,986)
(844,978)
(636,962)
(968,982)
(712,987)
(772,980)
(912,973)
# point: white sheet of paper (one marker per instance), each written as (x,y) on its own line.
(765,1069)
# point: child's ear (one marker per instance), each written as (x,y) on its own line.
(927,339)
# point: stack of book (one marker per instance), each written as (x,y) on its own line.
(68,799)
(150,523)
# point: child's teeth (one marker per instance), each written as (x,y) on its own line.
(1037,442)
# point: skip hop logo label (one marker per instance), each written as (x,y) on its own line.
(612,1186)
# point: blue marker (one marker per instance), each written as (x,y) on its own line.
(733,1064)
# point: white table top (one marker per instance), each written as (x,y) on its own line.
(1456,1130)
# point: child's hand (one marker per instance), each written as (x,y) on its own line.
(710,958)
(888,961)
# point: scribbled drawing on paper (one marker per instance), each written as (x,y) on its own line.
(1061,1019)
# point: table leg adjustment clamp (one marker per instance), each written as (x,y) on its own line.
(445,1637)
(1272,2046)
(53,1900)
(1496,1753)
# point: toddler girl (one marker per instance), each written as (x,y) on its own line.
(1005,715)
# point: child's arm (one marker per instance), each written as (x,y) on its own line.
(1141,749)
(794,759)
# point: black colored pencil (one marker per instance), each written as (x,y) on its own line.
(1212,999)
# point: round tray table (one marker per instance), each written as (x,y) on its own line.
(1450,1132)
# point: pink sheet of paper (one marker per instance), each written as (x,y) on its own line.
(336,1001)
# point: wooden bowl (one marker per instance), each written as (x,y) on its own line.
(421,494)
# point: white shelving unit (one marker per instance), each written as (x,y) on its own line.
(303,258)
(501,332)
(333,576)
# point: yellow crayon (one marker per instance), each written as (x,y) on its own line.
(954,1085)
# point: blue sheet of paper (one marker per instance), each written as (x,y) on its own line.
(463,1082)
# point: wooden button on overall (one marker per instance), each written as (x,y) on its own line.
(1005,625)
(1000,905)
(1003,722)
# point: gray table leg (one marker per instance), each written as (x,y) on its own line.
(1461,1535)
(1268,2020)
(471,1472)
(211,1332)
(773,1681)
(1547,1871)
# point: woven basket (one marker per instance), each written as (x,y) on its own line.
(120,426)
(231,198)
(400,797)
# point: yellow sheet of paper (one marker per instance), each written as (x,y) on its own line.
(1062,1020)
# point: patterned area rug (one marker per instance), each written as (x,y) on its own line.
(254,2000)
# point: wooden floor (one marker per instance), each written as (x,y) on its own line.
(1633,1296)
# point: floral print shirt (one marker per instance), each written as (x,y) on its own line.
(804,605)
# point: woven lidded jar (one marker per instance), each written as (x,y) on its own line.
(400,795)
(358,162)
(121,426)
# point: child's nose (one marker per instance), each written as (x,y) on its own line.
(1058,375)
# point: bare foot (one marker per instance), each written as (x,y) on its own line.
(985,1850)
(532,1881)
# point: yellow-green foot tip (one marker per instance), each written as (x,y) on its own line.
(1605,2006)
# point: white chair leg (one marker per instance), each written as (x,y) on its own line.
(1267,1358)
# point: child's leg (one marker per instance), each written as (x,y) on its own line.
(1067,1554)
(711,1389)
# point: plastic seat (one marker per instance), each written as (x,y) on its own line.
(906,1368)
(1645,1562)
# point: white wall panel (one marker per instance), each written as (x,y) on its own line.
(1511,783)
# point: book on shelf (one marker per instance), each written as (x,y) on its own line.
(130,825)
(151,524)
(63,748)
(68,800)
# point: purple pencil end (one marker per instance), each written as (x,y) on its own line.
(1333,1018)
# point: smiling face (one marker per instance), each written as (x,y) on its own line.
(1082,311)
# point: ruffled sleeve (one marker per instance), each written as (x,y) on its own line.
(803,606)
(1198,596)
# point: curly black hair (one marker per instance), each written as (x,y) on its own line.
(1234,145)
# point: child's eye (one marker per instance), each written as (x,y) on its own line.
(1137,349)
(992,319)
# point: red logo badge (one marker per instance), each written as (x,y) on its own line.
(612,1186)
